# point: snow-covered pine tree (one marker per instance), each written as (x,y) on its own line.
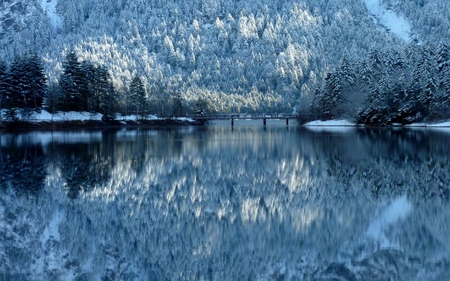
(27,84)
(375,109)
(138,97)
(329,99)
(99,85)
(18,86)
(37,80)
(103,89)
(425,84)
(442,97)
(74,86)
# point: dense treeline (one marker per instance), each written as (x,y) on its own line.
(23,85)
(400,85)
(82,86)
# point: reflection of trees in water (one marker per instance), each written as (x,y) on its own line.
(22,167)
(84,165)
(230,206)
(386,162)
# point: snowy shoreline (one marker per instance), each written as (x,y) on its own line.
(346,123)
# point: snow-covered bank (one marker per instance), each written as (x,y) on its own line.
(330,123)
(85,120)
(332,126)
(395,23)
(346,123)
(441,124)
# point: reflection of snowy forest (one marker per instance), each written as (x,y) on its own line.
(223,55)
(169,204)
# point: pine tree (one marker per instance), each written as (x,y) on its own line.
(18,86)
(442,97)
(99,86)
(177,105)
(103,89)
(74,86)
(332,96)
(425,85)
(38,81)
(137,96)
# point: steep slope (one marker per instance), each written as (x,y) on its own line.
(210,49)
(395,23)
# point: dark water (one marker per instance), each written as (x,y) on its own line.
(215,203)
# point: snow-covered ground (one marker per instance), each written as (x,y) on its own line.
(49,7)
(74,116)
(397,24)
(65,116)
(346,123)
(330,123)
(333,126)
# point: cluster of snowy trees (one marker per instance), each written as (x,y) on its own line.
(23,85)
(401,85)
(81,86)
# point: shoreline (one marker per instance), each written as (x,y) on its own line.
(22,125)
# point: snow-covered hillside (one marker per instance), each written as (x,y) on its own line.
(49,7)
(214,49)
(389,19)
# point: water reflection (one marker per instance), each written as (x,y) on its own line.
(223,203)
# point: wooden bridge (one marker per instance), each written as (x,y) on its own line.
(235,116)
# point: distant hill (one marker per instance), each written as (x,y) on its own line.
(234,54)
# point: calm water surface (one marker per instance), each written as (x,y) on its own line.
(221,203)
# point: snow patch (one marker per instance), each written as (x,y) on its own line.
(442,124)
(331,126)
(395,23)
(49,7)
(330,123)
(73,116)
(397,210)
(65,116)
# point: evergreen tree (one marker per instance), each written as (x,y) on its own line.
(332,96)
(442,97)
(18,88)
(74,86)
(375,110)
(38,81)
(425,85)
(177,105)
(27,83)
(104,91)
(137,96)
(99,86)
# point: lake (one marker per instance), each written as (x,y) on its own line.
(216,202)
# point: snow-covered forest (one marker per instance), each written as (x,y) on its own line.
(401,85)
(221,55)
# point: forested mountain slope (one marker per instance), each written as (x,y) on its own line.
(235,55)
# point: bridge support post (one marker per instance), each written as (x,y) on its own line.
(232,121)
(264,121)
(287,121)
